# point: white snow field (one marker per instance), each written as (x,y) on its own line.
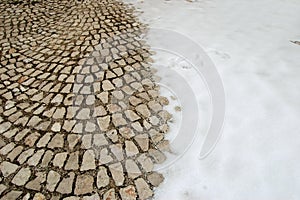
(257,156)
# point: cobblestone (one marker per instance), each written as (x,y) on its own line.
(143,189)
(84,184)
(88,161)
(21,177)
(8,168)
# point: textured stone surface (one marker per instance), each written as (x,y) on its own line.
(88,161)
(65,186)
(21,177)
(52,180)
(155,179)
(143,189)
(102,177)
(7,168)
(80,117)
(84,184)
(117,173)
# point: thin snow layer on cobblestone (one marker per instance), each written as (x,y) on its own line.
(77,96)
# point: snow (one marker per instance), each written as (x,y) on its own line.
(249,43)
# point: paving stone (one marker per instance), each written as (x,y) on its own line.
(143,141)
(65,186)
(134,100)
(59,159)
(132,169)
(72,163)
(90,100)
(154,120)
(56,127)
(83,113)
(118,82)
(7,148)
(116,170)
(8,134)
(131,115)
(57,141)
(165,115)
(84,184)
(155,179)
(131,149)
(8,168)
(31,139)
(90,127)
(34,121)
(118,120)
(22,177)
(99,140)
(52,180)
(107,85)
(145,162)
(155,106)
(156,136)
(113,108)
(46,158)
(143,189)
(118,95)
(103,96)
(143,109)
(59,113)
(4,126)
(117,150)
(126,132)
(86,141)
(99,111)
(102,177)
(163,100)
(128,193)
(103,122)
(43,126)
(164,146)
(88,161)
(78,128)
(127,90)
(113,135)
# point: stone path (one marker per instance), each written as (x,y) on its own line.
(80,115)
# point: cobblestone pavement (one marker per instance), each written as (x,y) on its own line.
(80,114)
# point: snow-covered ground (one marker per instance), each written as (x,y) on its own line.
(257,156)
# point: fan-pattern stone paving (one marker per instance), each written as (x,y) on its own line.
(80,114)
